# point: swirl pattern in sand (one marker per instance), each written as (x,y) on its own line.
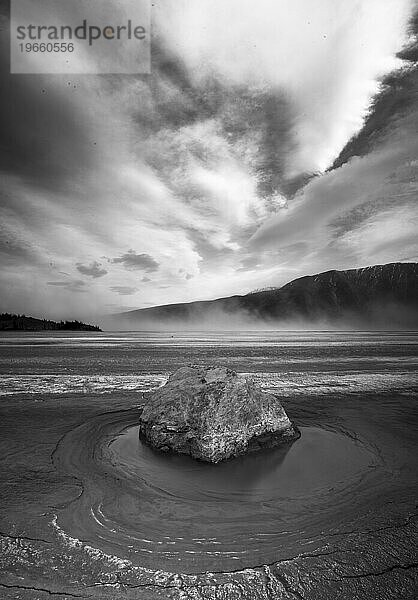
(175,513)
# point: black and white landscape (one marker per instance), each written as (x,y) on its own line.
(209,311)
(382,296)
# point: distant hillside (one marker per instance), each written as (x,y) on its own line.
(382,296)
(10,322)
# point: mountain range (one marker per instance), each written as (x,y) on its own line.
(380,296)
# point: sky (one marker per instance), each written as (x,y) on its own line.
(272,139)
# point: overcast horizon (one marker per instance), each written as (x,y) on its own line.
(270,141)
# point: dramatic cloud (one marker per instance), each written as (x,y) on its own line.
(93,270)
(211,173)
(326,55)
(363,211)
(132,260)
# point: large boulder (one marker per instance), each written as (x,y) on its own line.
(213,414)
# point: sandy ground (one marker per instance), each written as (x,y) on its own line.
(356,540)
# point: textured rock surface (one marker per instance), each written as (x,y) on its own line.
(213,414)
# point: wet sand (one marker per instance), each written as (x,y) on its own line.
(176,514)
(87,511)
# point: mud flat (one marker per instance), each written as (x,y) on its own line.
(88,511)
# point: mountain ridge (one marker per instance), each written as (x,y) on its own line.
(371,293)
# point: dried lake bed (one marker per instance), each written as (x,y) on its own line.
(88,511)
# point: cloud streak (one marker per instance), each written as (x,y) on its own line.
(124,290)
(75,285)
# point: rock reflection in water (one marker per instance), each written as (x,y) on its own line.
(320,458)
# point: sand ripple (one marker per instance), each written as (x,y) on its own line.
(177,514)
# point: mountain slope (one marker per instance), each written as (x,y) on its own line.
(381,296)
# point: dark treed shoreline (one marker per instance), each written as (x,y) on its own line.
(11,322)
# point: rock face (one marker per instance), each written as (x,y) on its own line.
(213,414)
